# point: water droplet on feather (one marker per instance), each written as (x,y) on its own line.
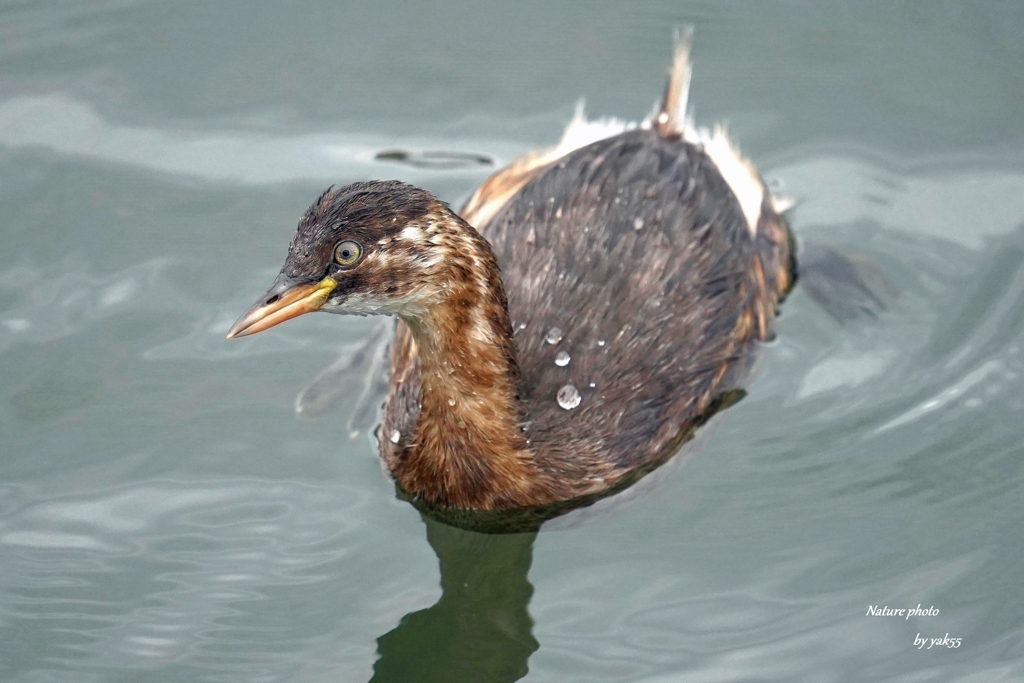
(554,336)
(395,436)
(568,397)
(562,359)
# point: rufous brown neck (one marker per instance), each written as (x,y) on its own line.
(468,448)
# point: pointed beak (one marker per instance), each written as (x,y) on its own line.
(286,299)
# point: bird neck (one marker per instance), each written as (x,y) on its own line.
(468,449)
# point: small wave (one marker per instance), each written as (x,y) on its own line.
(68,126)
(213,551)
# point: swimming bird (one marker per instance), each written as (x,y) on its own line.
(587,309)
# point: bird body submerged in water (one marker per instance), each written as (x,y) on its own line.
(612,299)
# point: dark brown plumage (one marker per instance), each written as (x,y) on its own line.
(656,254)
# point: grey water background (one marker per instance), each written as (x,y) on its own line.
(163,514)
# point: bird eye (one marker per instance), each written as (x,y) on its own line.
(347,253)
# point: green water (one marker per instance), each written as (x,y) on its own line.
(164,516)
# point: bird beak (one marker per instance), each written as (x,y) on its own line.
(286,299)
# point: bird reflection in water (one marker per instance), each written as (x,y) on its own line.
(480,629)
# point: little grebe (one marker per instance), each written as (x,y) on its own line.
(625,281)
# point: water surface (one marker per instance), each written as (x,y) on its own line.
(164,516)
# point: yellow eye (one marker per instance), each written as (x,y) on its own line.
(347,253)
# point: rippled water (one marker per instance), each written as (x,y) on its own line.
(164,516)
